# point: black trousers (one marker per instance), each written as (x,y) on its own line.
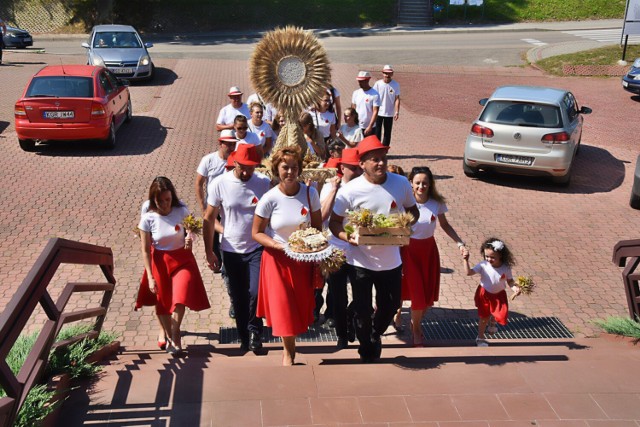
(338,297)
(387,122)
(243,271)
(370,325)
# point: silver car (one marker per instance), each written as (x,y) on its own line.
(120,49)
(526,130)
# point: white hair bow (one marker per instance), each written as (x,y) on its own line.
(497,245)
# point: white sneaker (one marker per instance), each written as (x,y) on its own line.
(481,342)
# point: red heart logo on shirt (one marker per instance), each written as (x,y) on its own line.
(262,133)
(326,121)
(254,200)
(433,217)
(366,100)
(393,205)
(503,276)
(303,211)
(177,227)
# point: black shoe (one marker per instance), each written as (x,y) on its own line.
(232,312)
(377,348)
(255,342)
(330,323)
(244,345)
(342,343)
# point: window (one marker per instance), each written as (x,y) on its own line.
(105,83)
(61,87)
(521,114)
(571,107)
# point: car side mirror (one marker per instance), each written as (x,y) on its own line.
(123,82)
(148,45)
(585,110)
(85,45)
(483,101)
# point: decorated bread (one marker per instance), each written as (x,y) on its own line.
(308,240)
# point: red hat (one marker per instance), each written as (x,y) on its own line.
(370,143)
(247,155)
(350,157)
(333,162)
(230,160)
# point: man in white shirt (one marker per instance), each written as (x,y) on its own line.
(213,165)
(366,102)
(389,91)
(237,193)
(242,134)
(379,266)
(229,112)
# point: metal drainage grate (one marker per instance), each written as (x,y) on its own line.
(516,328)
(315,333)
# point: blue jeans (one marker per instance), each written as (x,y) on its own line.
(243,271)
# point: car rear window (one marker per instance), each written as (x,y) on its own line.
(522,114)
(61,87)
(116,40)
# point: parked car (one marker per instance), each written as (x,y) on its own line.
(631,80)
(120,49)
(72,102)
(526,130)
(16,37)
(634,201)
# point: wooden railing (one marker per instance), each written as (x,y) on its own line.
(629,249)
(34,291)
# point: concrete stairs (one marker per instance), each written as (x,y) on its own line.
(415,13)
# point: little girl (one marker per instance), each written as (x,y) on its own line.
(495,277)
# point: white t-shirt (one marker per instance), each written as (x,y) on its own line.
(238,200)
(251,138)
(167,231)
(269,111)
(211,166)
(263,131)
(323,122)
(393,196)
(388,93)
(228,114)
(364,102)
(353,134)
(286,213)
(493,280)
(426,225)
(338,243)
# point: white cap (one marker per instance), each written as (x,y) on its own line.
(363,75)
(387,69)
(234,90)
(227,135)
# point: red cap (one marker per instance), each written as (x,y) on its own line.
(350,157)
(230,160)
(247,155)
(333,162)
(370,143)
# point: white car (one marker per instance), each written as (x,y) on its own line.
(120,49)
(526,130)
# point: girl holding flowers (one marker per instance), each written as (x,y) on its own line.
(172,280)
(495,277)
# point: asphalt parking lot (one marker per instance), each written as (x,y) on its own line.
(563,237)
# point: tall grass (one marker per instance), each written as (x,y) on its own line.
(620,326)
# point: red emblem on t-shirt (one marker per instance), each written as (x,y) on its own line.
(303,211)
(254,200)
(326,121)
(503,276)
(177,227)
(366,100)
(433,217)
(393,205)
(262,133)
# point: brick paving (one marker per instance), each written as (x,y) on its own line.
(562,236)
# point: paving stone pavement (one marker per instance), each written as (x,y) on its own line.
(563,237)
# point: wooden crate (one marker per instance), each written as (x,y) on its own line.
(394,236)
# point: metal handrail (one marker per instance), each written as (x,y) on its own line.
(629,249)
(34,291)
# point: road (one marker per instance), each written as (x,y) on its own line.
(500,48)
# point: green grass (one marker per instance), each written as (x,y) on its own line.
(620,326)
(608,55)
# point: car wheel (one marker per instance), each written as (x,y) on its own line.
(468,170)
(110,142)
(578,147)
(27,144)
(129,115)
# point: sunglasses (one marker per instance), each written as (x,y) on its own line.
(242,128)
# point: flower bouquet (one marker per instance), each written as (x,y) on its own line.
(193,226)
(379,229)
(526,285)
(333,262)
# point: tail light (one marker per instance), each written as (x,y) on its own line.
(481,131)
(556,138)
(97,110)
(19,111)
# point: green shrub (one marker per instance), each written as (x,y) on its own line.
(620,326)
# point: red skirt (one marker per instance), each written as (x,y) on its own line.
(495,305)
(285,293)
(179,282)
(420,273)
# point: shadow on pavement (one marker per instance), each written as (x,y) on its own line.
(595,170)
(3,125)
(430,157)
(142,136)
(162,77)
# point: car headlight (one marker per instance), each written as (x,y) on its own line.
(145,60)
(97,60)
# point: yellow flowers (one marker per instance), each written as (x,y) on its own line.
(525,285)
(366,218)
(192,224)
(333,262)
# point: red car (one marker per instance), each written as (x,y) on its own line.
(72,102)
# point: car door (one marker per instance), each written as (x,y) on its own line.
(120,96)
(574,119)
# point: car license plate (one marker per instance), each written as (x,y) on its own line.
(625,84)
(59,115)
(27,39)
(514,160)
(121,70)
